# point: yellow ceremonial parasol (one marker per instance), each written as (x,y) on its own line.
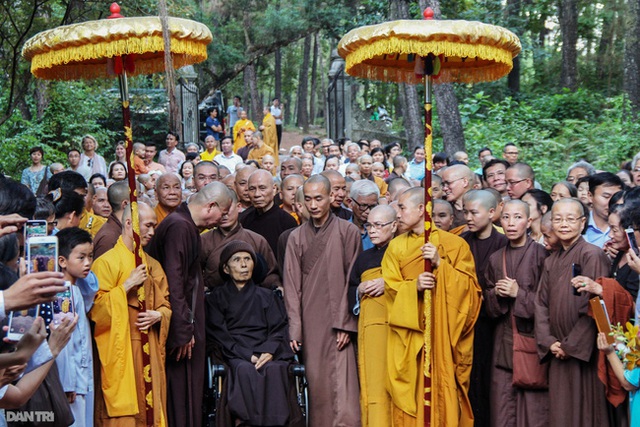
(119,47)
(416,51)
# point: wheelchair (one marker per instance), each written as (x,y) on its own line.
(215,398)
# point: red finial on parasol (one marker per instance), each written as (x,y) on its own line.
(115,11)
(427,14)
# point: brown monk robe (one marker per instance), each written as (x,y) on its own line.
(483,240)
(176,245)
(318,259)
(511,406)
(566,334)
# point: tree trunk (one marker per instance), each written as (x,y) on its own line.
(603,60)
(314,80)
(41,95)
(175,116)
(323,89)
(512,13)
(303,87)
(632,57)
(278,74)
(254,94)
(568,16)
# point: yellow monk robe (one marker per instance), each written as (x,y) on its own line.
(161,212)
(118,339)
(257,153)
(91,222)
(382,186)
(206,156)
(375,402)
(269,135)
(455,308)
(238,133)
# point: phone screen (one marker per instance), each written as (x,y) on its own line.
(62,306)
(20,322)
(43,256)
(631,238)
(34,229)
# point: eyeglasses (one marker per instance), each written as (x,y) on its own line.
(569,220)
(514,183)
(511,153)
(448,183)
(52,223)
(363,206)
(377,225)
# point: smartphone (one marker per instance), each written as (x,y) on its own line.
(576,271)
(631,238)
(20,322)
(63,305)
(35,228)
(42,254)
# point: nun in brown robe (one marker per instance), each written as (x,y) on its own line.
(512,406)
(319,256)
(576,396)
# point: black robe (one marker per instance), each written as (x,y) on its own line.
(484,328)
(244,323)
(269,224)
(176,245)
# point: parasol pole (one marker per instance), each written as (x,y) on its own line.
(121,64)
(428,224)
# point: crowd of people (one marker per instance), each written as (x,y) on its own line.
(253,254)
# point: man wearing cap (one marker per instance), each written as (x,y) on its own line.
(246,323)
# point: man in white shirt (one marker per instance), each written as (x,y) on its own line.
(276,112)
(227,158)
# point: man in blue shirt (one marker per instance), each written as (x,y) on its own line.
(602,186)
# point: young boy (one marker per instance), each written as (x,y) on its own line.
(75,257)
(138,158)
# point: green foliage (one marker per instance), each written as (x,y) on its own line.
(552,131)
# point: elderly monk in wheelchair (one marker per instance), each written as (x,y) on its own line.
(247,327)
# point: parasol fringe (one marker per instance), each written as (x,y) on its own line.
(108,49)
(500,60)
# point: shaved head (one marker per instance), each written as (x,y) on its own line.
(320,179)
(485,198)
(523,171)
(569,201)
(413,196)
(384,212)
(525,206)
(396,187)
(445,205)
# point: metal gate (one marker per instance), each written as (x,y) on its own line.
(188,96)
(336,126)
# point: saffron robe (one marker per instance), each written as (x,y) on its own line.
(512,406)
(257,153)
(455,305)
(107,237)
(213,242)
(245,323)
(238,133)
(576,395)
(483,337)
(91,222)
(316,275)
(269,134)
(176,245)
(118,339)
(161,212)
(375,402)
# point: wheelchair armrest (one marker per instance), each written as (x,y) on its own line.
(218,370)
(297,369)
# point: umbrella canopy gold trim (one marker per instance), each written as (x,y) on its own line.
(81,51)
(473,51)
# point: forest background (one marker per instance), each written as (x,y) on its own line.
(574,92)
